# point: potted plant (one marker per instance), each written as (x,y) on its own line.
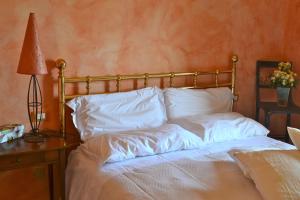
(283,79)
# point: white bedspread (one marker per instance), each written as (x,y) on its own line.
(206,173)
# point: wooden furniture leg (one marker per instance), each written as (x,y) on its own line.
(288,123)
(62,167)
(51,183)
(257,114)
(56,181)
(267,120)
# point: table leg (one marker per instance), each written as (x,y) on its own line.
(62,167)
(257,114)
(56,186)
(267,120)
(50,181)
(288,123)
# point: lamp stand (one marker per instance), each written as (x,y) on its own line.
(34,107)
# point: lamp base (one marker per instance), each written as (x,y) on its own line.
(34,137)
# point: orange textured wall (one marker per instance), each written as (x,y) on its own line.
(292,47)
(128,36)
(137,36)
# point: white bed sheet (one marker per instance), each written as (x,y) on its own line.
(206,173)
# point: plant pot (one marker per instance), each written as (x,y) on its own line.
(283,96)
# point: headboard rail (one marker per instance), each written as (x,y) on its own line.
(61,65)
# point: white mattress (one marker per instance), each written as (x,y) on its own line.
(207,173)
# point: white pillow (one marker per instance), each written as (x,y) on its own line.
(220,127)
(127,145)
(294,134)
(274,172)
(108,113)
(186,102)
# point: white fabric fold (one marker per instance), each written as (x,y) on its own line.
(274,172)
(207,173)
(182,102)
(220,127)
(108,113)
(130,144)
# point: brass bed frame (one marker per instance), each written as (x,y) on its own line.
(63,80)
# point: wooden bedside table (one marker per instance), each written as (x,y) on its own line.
(51,153)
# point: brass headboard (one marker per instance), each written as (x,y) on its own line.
(63,80)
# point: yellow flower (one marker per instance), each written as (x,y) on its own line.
(283,76)
(283,82)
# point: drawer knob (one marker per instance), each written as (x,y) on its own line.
(18,160)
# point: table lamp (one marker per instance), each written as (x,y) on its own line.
(32,63)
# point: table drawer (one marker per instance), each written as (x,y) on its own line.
(51,156)
(21,160)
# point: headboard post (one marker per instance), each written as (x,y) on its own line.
(61,65)
(234,59)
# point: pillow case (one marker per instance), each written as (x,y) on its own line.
(186,102)
(108,148)
(220,127)
(294,134)
(108,113)
(274,172)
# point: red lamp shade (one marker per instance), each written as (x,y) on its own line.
(32,60)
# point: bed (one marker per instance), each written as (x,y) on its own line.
(169,156)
